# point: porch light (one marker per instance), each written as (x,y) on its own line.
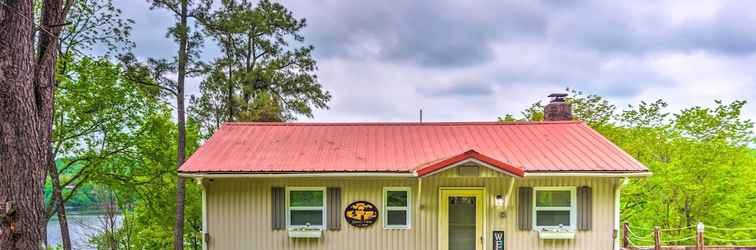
(499,200)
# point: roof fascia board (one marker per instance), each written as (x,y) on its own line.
(587,174)
(369,174)
(266,175)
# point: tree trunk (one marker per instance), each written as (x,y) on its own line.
(57,196)
(25,123)
(178,232)
(22,156)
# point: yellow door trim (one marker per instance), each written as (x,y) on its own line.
(443,213)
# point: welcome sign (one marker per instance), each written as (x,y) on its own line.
(361,214)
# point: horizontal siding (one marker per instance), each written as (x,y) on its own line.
(239,213)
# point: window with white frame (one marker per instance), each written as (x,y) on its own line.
(396,207)
(305,207)
(554,208)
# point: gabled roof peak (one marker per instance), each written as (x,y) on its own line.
(469,155)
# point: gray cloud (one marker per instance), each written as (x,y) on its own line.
(461,60)
(731,31)
(463,88)
(614,27)
(428,33)
(456,34)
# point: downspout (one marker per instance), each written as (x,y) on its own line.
(419,193)
(205,234)
(509,194)
(617,194)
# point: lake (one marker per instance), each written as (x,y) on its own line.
(81,226)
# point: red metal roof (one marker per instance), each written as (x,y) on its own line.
(405,147)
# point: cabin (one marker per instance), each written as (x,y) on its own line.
(554,184)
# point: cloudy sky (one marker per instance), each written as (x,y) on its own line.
(476,60)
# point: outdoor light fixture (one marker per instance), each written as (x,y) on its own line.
(499,200)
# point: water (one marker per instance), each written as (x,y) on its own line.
(81,227)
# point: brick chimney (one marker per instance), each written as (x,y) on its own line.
(557,109)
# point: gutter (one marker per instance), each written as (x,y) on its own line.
(205,233)
(398,174)
(296,174)
(588,174)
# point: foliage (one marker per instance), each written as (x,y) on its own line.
(698,157)
(112,119)
(94,120)
(145,186)
(83,198)
(118,129)
(264,73)
(96,24)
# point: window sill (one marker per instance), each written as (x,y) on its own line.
(305,233)
(396,227)
(556,235)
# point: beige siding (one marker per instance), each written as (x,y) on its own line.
(239,213)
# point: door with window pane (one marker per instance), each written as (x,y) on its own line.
(461,219)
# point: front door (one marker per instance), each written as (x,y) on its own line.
(461,217)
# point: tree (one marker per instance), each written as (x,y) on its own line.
(95,118)
(265,73)
(698,156)
(26,111)
(188,49)
(144,182)
(92,23)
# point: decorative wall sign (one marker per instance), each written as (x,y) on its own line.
(498,240)
(361,214)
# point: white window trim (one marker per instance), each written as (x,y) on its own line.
(289,208)
(386,208)
(572,208)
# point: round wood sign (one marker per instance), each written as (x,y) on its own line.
(361,214)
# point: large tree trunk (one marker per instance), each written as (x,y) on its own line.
(178,232)
(60,206)
(26,97)
(22,159)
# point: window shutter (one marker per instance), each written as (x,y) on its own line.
(584,208)
(525,208)
(333,208)
(278,208)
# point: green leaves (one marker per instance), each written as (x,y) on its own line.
(113,133)
(266,72)
(722,122)
(703,167)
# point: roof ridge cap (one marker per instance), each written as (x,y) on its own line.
(472,123)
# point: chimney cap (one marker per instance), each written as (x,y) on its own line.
(557,97)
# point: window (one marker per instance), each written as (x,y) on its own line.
(305,207)
(554,208)
(396,208)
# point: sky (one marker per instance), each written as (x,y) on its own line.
(477,60)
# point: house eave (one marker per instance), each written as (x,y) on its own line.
(588,174)
(396,174)
(295,174)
